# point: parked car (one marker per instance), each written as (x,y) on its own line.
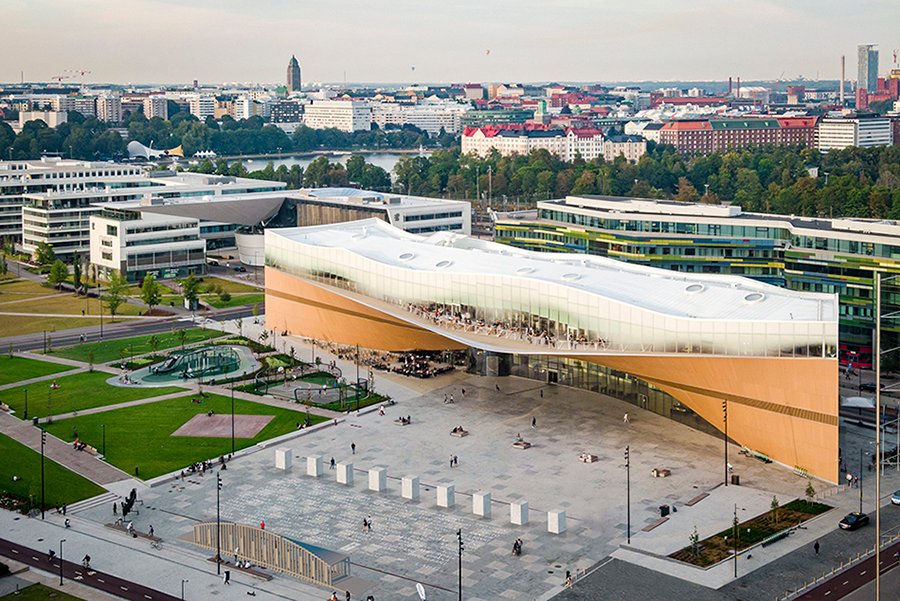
(895,498)
(854,520)
(869,387)
(240,269)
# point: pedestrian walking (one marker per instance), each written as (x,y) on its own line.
(451,460)
(347,593)
(86,562)
(226,577)
(353,448)
(369,520)
(451,398)
(533,422)
(151,530)
(816,547)
(115,508)
(332,463)
(463,391)
(456,460)
(849,479)
(542,393)
(497,386)
(64,508)
(625,419)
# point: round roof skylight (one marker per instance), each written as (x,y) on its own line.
(524,270)
(407,256)
(694,288)
(571,277)
(442,264)
(754,297)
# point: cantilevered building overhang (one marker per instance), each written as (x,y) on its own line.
(769,352)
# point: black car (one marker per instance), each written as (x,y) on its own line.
(869,387)
(854,520)
(240,269)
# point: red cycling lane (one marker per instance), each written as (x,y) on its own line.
(852,578)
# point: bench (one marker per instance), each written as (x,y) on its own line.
(251,571)
(661,472)
(521,444)
(697,499)
(775,538)
(401,422)
(588,458)
(653,525)
(460,433)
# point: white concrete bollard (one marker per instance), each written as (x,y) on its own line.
(445,495)
(518,513)
(345,473)
(377,479)
(481,504)
(314,466)
(410,486)
(556,522)
(283,459)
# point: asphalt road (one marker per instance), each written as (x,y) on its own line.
(852,579)
(108,583)
(35,342)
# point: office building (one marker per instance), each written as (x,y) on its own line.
(867,67)
(836,133)
(692,341)
(835,256)
(202,105)
(345,115)
(294,83)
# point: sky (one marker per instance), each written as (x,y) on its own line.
(219,41)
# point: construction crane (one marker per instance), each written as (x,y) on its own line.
(59,78)
(896,50)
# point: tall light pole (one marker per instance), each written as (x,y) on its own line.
(734,535)
(183,580)
(61,541)
(861,482)
(218,525)
(43,440)
(26,403)
(725,417)
(628,492)
(357,377)
(232,417)
(461,547)
(103,429)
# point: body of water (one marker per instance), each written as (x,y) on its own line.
(385,160)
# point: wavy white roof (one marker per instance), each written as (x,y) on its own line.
(699,296)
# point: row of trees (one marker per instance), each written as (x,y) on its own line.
(88,138)
(856,182)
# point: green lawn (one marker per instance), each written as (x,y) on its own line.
(75,393)
(61,485)
(39,592)
(236,300)
(140,436)
(16,369)
(110,350)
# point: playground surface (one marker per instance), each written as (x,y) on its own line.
(218,425)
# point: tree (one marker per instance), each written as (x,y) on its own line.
(115,293)
(76,272)
(686,191)
(774,507)
(59,273)
(695,540)
(151,291)
(182,337)
(4,267)
(153,342)
(190,289)
(44,255)
(810,491)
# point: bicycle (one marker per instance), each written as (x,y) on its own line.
(156,544)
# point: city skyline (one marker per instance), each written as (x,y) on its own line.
(162,41)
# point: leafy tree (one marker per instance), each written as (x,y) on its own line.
(44,255)
(686,191)
(151,291)
(810,490)
(190,289)
(59,273)
(695,540)
(115,293)
(182,337)
(76,271)
(774,505)
(4,268)
(154,343)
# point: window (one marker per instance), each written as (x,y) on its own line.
(112,230)
(106,256)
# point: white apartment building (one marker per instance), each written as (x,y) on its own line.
(109,109)
(345,115)
(566,144)
(18,178)
(630,147)
(87,106)
(127,240)
(51,118)
(202,105)
(431,117)
(156,106)
(835,133)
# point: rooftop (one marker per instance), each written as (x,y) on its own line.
(658,290)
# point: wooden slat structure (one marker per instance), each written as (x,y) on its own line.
(275,552)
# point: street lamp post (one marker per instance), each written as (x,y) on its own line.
(103,429)
(183,580)
(725,417)
(61,541)
(26,403)
(232,418)
(357,377)
(861,479)
(734,536)
(461,547)
(628,492)
(218,525)
(43,440)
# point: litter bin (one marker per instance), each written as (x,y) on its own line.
(34,420)
(735,479)
(663,510)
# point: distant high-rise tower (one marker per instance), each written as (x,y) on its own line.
(293,75)
(867,77)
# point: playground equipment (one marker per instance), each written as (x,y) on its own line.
(202,362)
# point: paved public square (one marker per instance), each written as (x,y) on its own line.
(415,542)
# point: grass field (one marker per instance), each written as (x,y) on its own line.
(140,436)
(39,592)
(236,300)
(66,303)
(227,285)
(77,392)
(16,325)
(16,369)
(110,350)
(61,485)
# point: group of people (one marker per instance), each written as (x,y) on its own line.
(457,430)
(79,445)
(367,524)
(517,547)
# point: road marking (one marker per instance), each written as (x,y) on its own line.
(845,583)
(827,593)
(862,573)
(101,580)
(16,551)
(124,588)
(147,597)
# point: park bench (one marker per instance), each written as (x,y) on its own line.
(661,472)
(522,444)
(460,433)
(697,499)
(653,525)
(775,538)
(588,458)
